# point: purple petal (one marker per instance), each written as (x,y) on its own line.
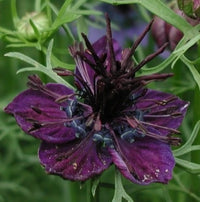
(144,161)
(35,106)
(162,109)
(75,160)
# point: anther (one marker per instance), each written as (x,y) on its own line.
(63,98)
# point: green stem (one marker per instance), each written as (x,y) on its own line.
(120,193)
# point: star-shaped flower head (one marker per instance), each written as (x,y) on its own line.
(112,118)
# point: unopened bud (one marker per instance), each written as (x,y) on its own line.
(41,22)
(163,32)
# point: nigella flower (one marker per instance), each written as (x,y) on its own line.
(112,118)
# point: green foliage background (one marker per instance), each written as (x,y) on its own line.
(21,176)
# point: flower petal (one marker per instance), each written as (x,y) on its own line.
(75,160)
(145,161)
(162,109)
(34,106)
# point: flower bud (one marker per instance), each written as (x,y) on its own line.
(190,7)
(163,32)
(40,21)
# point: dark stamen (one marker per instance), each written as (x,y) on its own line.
(150,57)
(161,127)
(63,98)
(135,45)
(95,56)
(166,139)
(86,87)
(92,65)
(110,45)
(62,72)
(151,77)
(36,84)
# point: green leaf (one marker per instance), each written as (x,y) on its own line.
(120,193)
(37,5)
(35,29)
(7,31)
(62,16)
(95,184)
(14,13)
(78,4)
(59,63)
(19,45)
(187,146)
(12,39)
(81,27)
(86,12)
(159,67)
(63,8)
(48,55)
(192,69)
(38,67)
(189,44)
(193,168)
(181,48)
(65,27)
(69,17)
(24,58)
(51,74)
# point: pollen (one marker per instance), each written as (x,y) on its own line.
(146,177)
(75,166)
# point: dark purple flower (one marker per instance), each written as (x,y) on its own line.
(112,118)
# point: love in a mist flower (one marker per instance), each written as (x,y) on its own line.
(112,118)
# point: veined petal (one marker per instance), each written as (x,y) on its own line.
(36,107)
(77,160)
(145,161)
(162,109)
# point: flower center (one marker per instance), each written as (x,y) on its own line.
(75,112)
(104,136)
